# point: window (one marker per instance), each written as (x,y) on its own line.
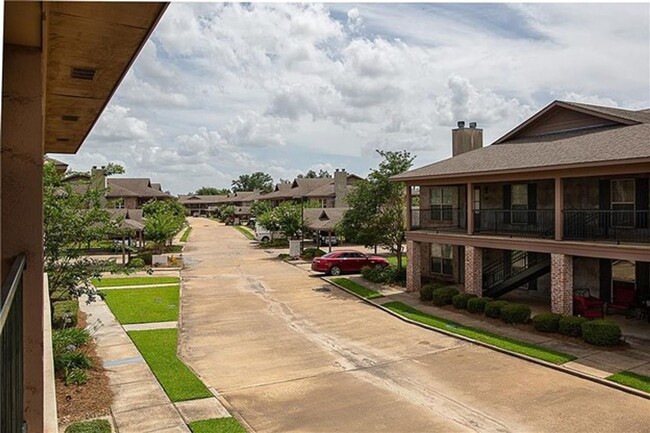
(519,203)
(623,194)
(442,203)
(442,259)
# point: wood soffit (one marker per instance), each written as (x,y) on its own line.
(100,41)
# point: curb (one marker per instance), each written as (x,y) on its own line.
(556,367)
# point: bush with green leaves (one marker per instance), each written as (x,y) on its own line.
(460,300)
(571,326)
(515,313)
(477,305)
(65,314)
(493,309)
(136,262)
(71,357)
(63,338)
(426,291)
(443,295)
(601,332)
(310,253)
(384,275)
(547,322)
(75,375)
(94,426)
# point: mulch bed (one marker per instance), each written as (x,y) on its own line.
(91,400)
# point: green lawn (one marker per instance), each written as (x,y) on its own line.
(513,345)
(217,425)
(134,281)
(632,380)
(146,305)
(158,347)
(357,288)
(393,260)
(94,426)
(186,234)
(246,232)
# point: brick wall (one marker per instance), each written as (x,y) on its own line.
(562,284)
(474,270)
(414,266)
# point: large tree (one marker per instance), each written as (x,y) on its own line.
(250,182)
(211,190)
(377,207)
(74,218)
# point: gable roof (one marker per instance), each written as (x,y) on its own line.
(132,187)
(623,141)
(325,218)
(191,198)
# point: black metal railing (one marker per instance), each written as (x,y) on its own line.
(439,219)
(607,225)
(515,222)
(11,350)
(508,267)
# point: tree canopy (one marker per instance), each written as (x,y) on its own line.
(311,174)
(376,215)
(211,190)
(285,218)
(250,182)
(164,218)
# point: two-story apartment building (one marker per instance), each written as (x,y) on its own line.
(558,204)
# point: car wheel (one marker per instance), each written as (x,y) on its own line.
(335,270)
(266,239)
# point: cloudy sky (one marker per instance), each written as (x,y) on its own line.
(225,89)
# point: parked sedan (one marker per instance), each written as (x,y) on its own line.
(338,262)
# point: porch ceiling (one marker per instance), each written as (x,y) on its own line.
(89,49)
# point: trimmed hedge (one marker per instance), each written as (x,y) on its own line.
(477,305)
(515,313)
(571,326)
(493,308)
(384,275)
(443,296)
(601,332)
(460,300)
(426,291)
(547,322)
(65,314)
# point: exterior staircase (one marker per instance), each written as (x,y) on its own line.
(513,271)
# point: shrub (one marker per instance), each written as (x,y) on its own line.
(63,338)
(65,314)
(426,291)
(310,253)
(493,308)
(384,275)
(571,325)
(601,332)
(94,426)
(443,295)
(547,322)
(460,300)
(68,359)
(136,262)
(477,305)
(515,313)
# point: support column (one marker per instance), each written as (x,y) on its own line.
(559,207)
(413,266)
(470,208)
(22,207)
(409,208)
(562,284)
(474,270)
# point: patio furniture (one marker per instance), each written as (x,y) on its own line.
(623,299)
(587,306)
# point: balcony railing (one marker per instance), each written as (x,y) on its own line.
(607,225)
(515,222)
(444,219)
(11,350)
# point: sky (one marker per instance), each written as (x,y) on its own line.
(221,90)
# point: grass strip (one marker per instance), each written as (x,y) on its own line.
(510,344)
(633,380)
(245,232)
(94,426)
(146,305)
(357,288)
(134,281)
(158,348)
(217,425)
(186,234)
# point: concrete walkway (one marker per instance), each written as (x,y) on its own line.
(292,353)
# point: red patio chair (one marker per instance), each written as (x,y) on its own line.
(623,298)
(588,307)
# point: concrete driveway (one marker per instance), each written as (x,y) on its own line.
(294,354)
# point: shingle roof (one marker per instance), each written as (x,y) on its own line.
(594,145)
(191,198)
(324,219)
(132,187)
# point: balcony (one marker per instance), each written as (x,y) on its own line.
(607,225)
(440,219)
(515,222)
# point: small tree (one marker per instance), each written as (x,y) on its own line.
(260,207)
(286,218)
(163,219)
(226,213)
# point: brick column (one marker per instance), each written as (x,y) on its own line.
(562,284)
(474,270)
(413,266)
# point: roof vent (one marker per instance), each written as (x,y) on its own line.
(472,124)
(83,73)
(461,123)
(62,140)
(69,118)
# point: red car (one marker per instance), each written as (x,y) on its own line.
(338,262)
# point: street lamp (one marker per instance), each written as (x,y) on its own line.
(302,221)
